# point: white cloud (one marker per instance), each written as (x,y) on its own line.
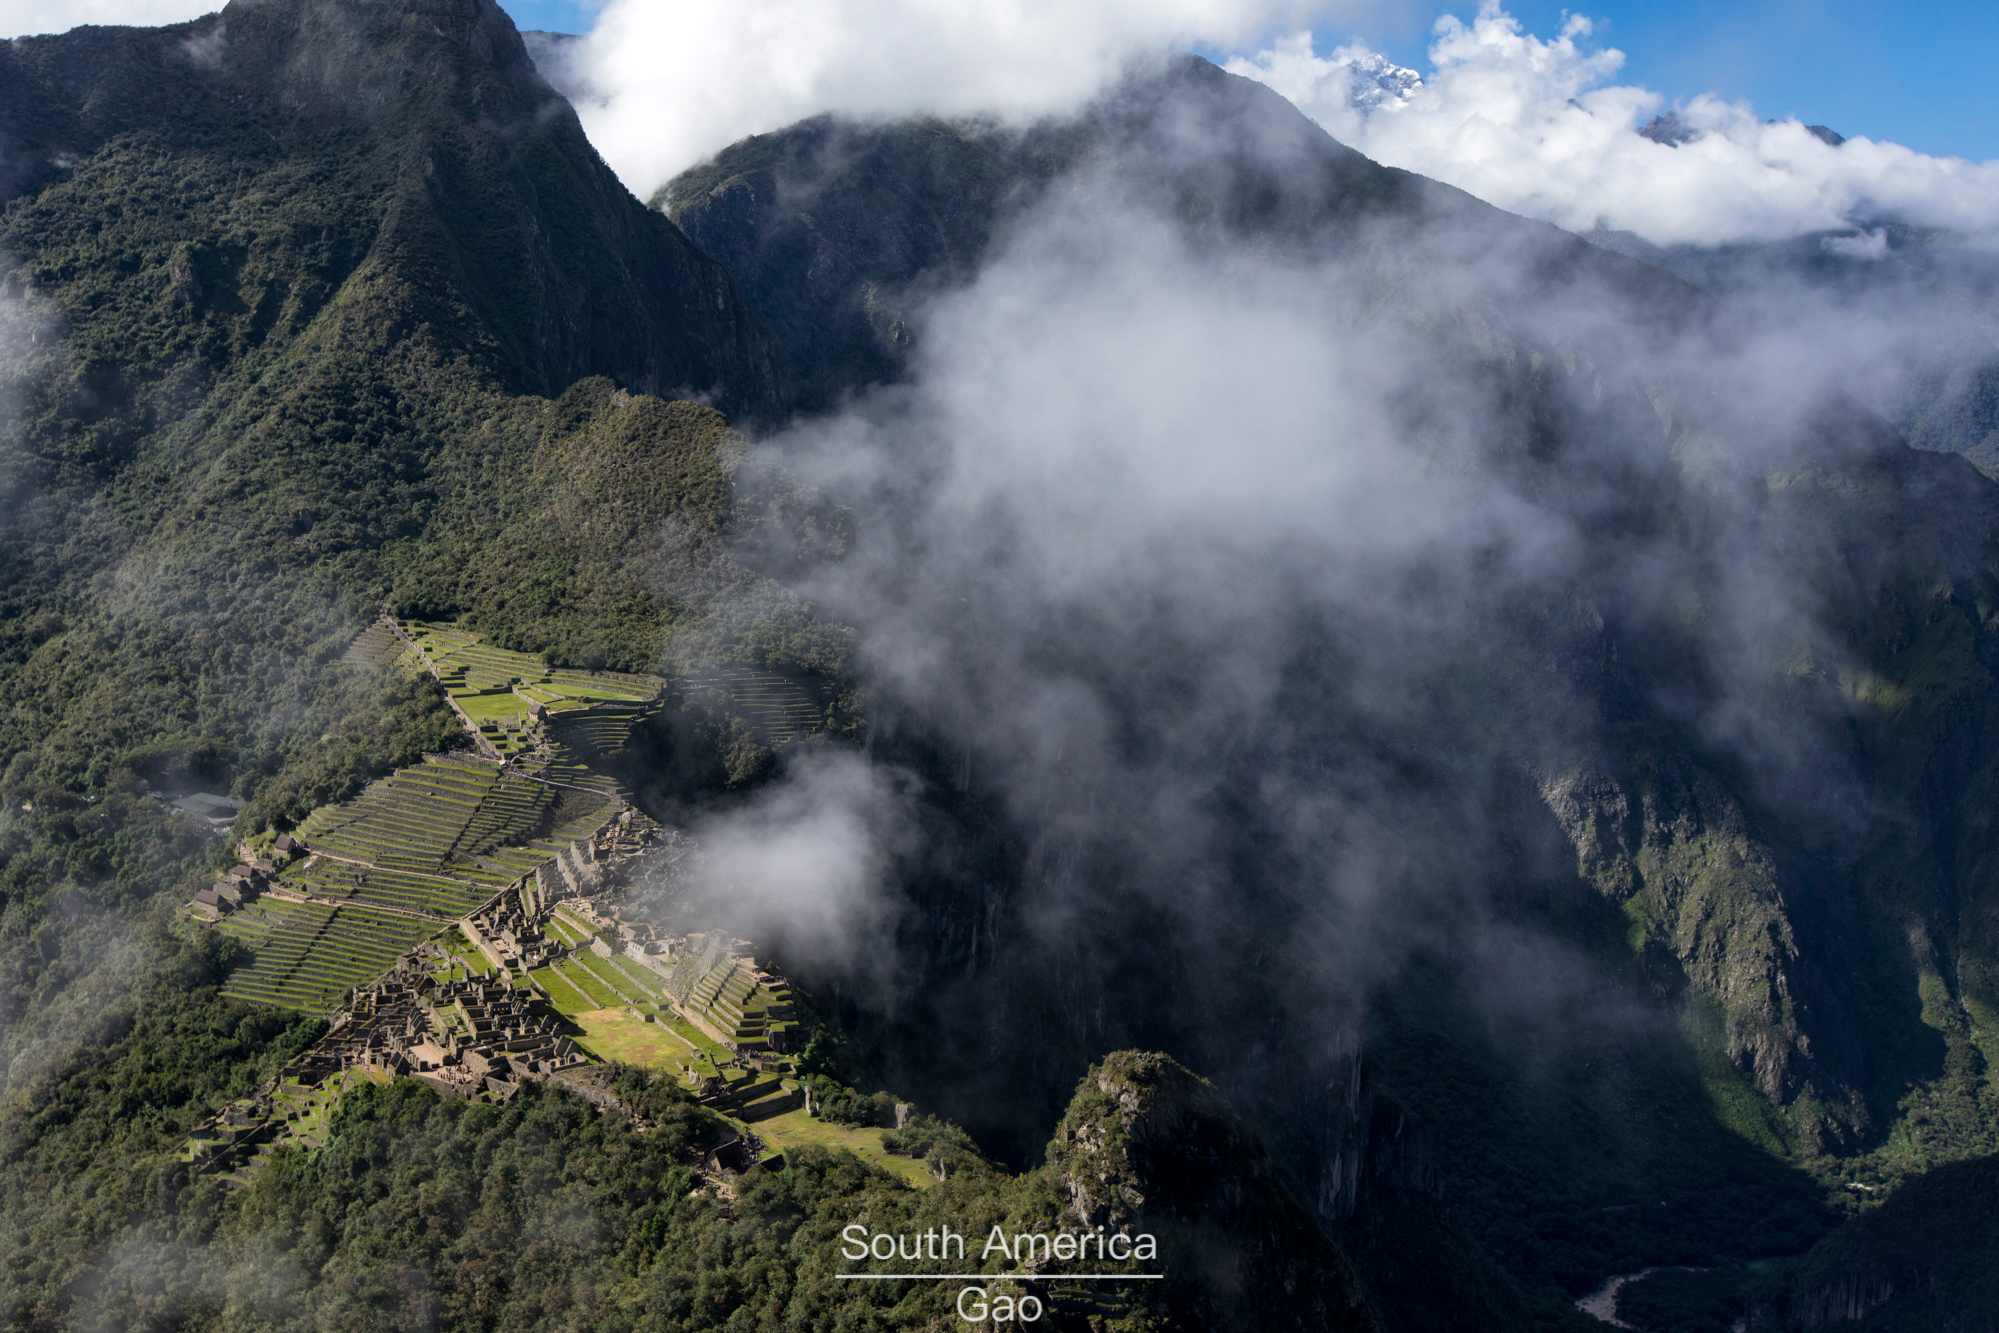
(802,865)
(26,18)
(1539,127)
(678,80)
(1168,549)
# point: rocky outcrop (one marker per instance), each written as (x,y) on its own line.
(1674,849)
(1149,1146)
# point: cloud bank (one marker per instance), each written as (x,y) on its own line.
(801,866)
(672,81)
(1541,127)
(1254,585)
(26,18)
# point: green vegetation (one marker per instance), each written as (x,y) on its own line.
(299,321)
(614,1035)
(260,376)
(837,1102)
(469,961)
(294,372)
(606,976)
(432,819)
(498,691)
(322,877)
(1923,1260)
(942,1146)
(1679,1300)
(89,1158)
(795,1130)
(1573,1167)
(1920,1259)
(581,981)
(543,1213)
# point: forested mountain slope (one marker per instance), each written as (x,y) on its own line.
(305,309)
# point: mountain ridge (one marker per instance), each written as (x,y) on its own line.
(832,284)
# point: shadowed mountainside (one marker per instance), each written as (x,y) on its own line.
(1148,1146)
(1713,790)
(839,233)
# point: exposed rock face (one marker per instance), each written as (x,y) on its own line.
(1148,1146)
(1680,855)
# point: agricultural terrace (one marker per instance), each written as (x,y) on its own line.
(589,712)
(422,847)
(776,708)
(457,818)
(371,886)
(377,646)
(430,844)
(498,690)
(304,1112)
(305,955)
(595,994)
(621,1010)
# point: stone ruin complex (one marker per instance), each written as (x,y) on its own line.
(468,1037)
(507,933)
(483,1037)
(477,1038)
(583,866)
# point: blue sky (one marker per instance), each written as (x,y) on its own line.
(1921,76)
(550,15)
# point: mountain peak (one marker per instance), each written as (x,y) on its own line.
(1149,1145)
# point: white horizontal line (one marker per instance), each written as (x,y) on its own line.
(995,1277)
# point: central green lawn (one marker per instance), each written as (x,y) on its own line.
(563,993)
(613,1034)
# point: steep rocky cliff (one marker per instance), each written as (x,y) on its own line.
(1147,1146)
